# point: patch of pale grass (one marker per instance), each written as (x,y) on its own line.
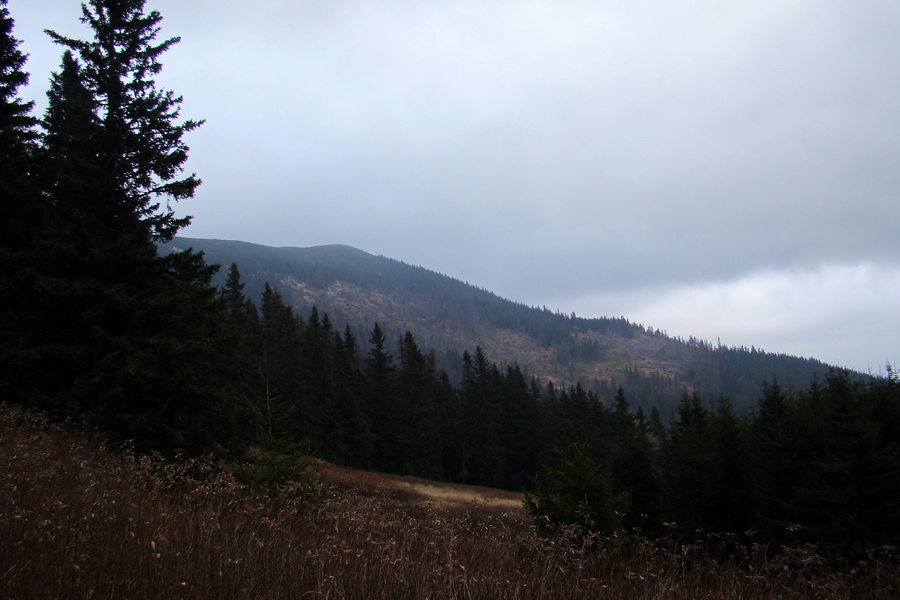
(415,490)
(451,496)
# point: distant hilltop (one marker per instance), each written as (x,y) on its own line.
(448,316)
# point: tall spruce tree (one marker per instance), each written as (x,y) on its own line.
(633,467)
(279,367)
(241,367)
(730,500)
(417,412)
(380,398)
(23,213)
(140,142)
(348,377)
(17,127)
(72,129)
(133,339)
(686,482)
(518,432)
(322,421)
(481,418)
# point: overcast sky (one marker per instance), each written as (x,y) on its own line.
(727,170)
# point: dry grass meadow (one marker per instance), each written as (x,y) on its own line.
(77,521)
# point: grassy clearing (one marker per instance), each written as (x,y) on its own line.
(79,522)
(421,491)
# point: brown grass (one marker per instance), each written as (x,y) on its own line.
(423,492)
(79,522)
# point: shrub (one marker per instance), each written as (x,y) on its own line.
(576,494)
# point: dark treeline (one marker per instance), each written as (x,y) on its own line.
(819,464)
(363,405)
(97,326)
(735,372)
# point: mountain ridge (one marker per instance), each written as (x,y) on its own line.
(449,316)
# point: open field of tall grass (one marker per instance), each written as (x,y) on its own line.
(77,521)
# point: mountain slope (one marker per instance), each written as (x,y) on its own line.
(358,289)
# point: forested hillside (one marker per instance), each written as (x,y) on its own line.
(327,352)
(448,316)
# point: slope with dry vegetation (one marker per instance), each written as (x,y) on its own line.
(450,316)
(79,522)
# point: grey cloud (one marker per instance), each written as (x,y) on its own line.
(546,150)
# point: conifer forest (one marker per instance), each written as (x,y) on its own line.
(104,332)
